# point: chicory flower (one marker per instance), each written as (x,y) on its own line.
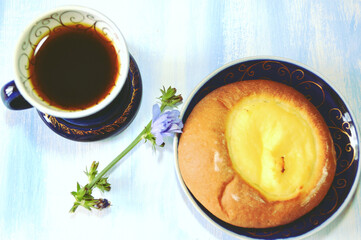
(165,124)
(162,125)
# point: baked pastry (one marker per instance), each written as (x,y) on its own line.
(256,154)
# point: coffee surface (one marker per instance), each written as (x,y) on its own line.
(74,67)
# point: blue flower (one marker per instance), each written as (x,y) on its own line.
(165,124)
(162,125)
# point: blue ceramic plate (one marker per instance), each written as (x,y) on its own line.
(337,116)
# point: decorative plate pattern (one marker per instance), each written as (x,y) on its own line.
(113,119)
(340,123)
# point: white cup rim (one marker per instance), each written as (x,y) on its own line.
(123,55)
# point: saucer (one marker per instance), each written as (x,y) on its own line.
(335,112)
(107,122)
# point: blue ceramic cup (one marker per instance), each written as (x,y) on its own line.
(20,93)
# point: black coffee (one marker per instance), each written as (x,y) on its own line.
(74,68)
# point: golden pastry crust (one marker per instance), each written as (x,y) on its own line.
(219,187)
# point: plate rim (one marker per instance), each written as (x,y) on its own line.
(355,184)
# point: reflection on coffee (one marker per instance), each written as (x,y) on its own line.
(74,68)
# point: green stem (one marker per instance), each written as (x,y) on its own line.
(120,156)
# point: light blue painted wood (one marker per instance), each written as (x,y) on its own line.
(175,43)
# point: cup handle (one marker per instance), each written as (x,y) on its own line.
(12,98)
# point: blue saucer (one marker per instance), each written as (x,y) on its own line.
(107,122)
(337,116)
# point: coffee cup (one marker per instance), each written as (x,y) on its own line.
(69,63)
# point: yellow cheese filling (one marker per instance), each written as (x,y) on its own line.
(271,146)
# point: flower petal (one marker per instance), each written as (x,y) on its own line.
(156,111)
(165,124)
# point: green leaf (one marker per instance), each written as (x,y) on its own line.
(169,97)
(83,195)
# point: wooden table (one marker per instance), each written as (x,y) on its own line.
(175,43)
